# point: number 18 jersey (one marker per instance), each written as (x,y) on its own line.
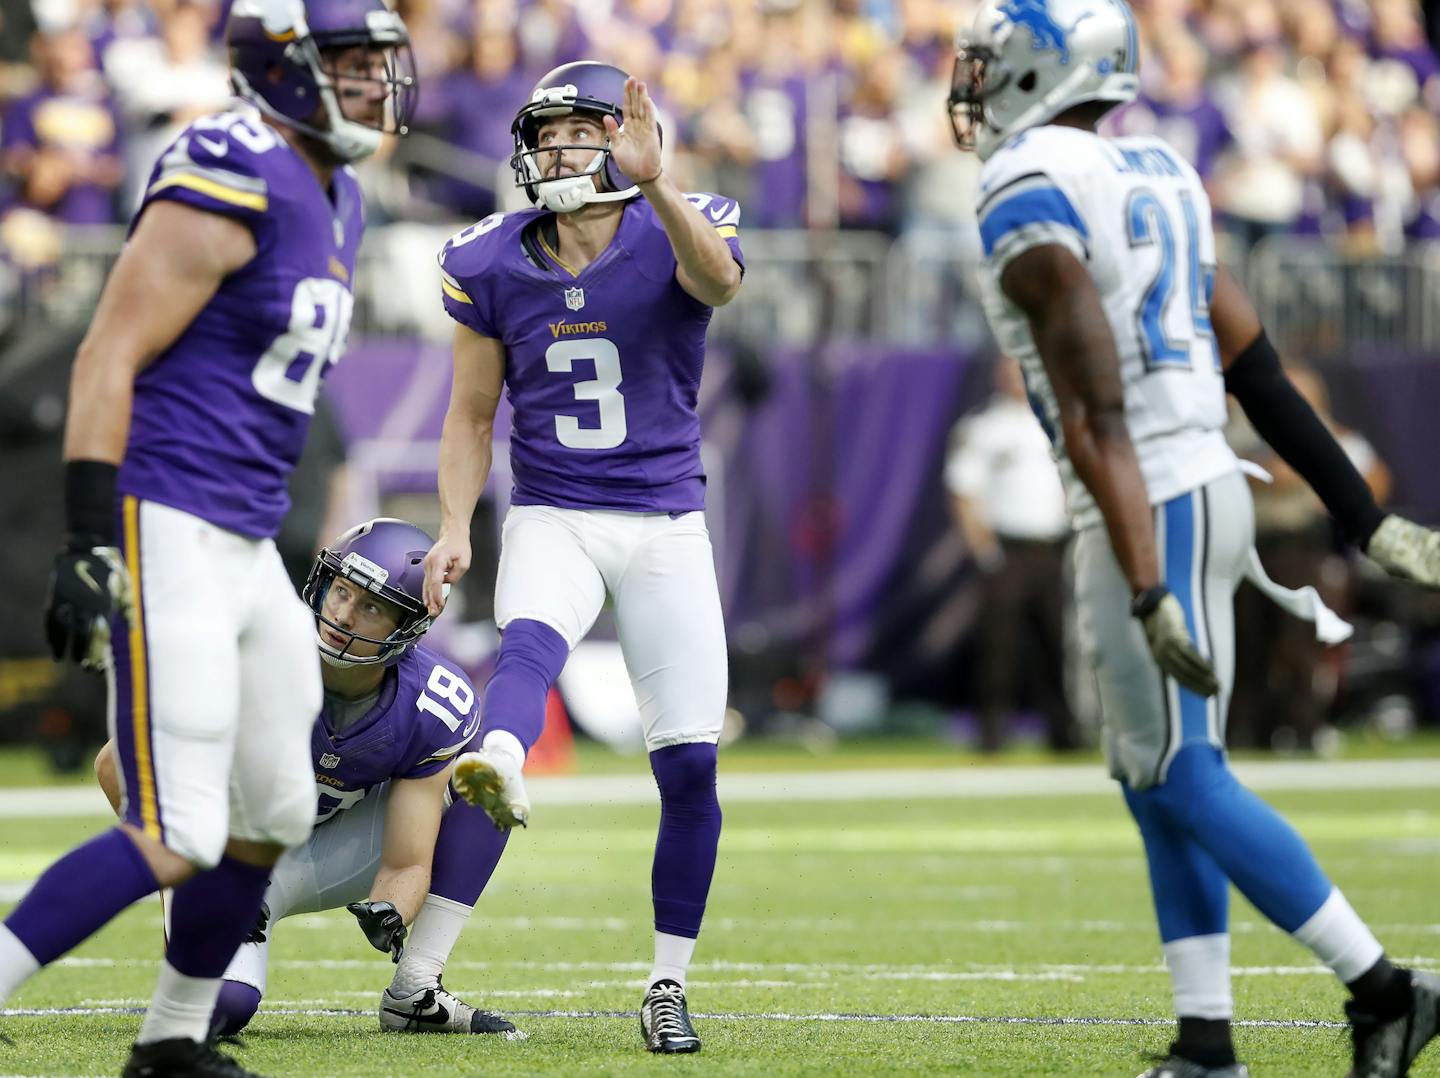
(1137,216)
(220,416)
(602,367)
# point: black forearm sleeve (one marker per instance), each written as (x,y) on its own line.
(1283,418)
(90,501)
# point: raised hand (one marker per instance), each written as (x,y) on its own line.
(447,562)
(635,144)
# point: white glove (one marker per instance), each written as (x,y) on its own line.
(1169,639)
(1407,550)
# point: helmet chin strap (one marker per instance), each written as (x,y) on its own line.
(566,194)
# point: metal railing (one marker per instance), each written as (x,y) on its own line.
(809,287)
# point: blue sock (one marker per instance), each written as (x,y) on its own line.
(467,850)
(531,657)
(80,893)
(1253,845)
(689,836)
(211,915)
(1192,895)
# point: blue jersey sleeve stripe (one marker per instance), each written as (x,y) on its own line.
(1030,207)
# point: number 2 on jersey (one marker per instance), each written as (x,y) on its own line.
(1148,224)
(603,389)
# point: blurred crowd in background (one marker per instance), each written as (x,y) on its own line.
(1316,117)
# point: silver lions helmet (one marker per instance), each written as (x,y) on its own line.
(1024,62)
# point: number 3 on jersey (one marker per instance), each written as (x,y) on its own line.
(603,389)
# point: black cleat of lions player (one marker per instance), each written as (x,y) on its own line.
(665,1020)
(181,1057)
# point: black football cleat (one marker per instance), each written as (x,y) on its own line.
(665,1020)
(181,1057)
(1385,1049)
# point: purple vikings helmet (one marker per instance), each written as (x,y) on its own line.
(386,558)
(278,63)
(584,86)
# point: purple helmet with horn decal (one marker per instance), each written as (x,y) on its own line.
(302,64)
(588,87)
(384,557)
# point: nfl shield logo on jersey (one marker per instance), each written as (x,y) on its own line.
(329,760)
(574,298)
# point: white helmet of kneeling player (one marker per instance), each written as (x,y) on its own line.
(1023,62)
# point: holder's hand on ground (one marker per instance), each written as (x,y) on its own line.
(1407,550)
(383,926)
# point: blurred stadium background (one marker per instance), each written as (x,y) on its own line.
(887,564)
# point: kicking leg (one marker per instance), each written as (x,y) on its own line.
(548,594)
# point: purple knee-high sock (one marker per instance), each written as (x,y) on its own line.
(466,852)
(211,915)
(531,657)
(79,894)
(689,836)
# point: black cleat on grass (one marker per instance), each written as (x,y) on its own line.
(665,1020)
(1385,1049)
(181,1057)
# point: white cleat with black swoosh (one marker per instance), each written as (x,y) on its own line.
(434,1010)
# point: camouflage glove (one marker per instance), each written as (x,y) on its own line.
(88,585)
(383,926)
(1168,637)
(1407,550)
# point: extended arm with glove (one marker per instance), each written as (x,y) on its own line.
(1255,378)
(383,926)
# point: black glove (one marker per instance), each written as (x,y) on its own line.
(382,924)
(262,923)
(88,585)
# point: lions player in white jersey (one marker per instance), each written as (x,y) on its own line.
(1100,276)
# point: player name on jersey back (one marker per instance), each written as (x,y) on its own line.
(602,367)
(1137,216)
(221,415)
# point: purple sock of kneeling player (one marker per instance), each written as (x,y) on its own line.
(689,836)
(78,894)
(466,852)
(531,657)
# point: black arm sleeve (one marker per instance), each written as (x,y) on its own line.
(1290,426)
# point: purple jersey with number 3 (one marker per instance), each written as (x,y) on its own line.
(221,415)
(426,715)
(602,367)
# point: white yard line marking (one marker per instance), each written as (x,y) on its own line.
(908,784)
(733,1016)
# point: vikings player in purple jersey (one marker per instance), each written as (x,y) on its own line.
(390,843)
(189,402)
(590,311)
